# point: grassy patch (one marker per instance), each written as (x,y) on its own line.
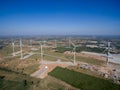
(90,60)
(63,49)
(30,69)
(10,80)
(12,85)
(8,50)
(13,81)
(5,51)
(83,81)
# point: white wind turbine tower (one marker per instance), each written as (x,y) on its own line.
(41,48)
(21,49)
(108,51)
(74,49)
(13,45)
(55,43)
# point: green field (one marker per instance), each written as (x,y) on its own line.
(83,81)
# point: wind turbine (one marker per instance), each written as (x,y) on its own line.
(55,43)
(13,45)
(74,50)
(108,51)
(21,49)
(41,48)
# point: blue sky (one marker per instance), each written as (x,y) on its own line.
(60,17)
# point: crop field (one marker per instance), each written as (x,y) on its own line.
(83,81)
